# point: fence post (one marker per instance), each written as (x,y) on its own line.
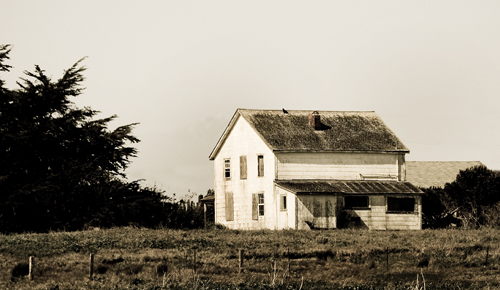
(240,255)
(31,273)
(205,215)
(91,266)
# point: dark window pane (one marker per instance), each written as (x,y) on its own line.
(227,168)
(261,204)
(356,201)
(405,204)
(283,203)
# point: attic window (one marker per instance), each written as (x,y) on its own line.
(227,168)
(260,164)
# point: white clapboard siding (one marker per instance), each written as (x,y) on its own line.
(243,141)
(320,211)
(337,165)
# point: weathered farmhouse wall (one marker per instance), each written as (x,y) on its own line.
(287,215)
(300,170)
(239,191)
(377,216)
(323,212)
(316,211)
(335,165)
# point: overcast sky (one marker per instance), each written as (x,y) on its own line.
(429,69)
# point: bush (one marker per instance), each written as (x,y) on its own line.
(20,270)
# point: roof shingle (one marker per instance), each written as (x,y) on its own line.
(340,131)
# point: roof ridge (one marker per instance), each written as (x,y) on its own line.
(291,110)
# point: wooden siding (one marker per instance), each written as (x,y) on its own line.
(236,202)
(243,141)
(286,218)
(348,166)
(318,211)
(377,217)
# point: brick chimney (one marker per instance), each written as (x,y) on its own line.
(315,120)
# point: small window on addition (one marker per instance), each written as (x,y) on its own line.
(356,202)
(227,168)
(260,163)
(283,202)
(400,204)
(261,204)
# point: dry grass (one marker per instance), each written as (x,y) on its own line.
(164,259)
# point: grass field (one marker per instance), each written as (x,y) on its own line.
(131,258)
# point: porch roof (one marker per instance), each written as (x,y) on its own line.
(348,187)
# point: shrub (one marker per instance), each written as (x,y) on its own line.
(20,270)
(101,269)
(162,269)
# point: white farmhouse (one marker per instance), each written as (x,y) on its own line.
(277,169)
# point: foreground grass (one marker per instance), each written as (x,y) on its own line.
(130,258)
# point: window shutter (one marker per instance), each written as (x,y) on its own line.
(229,206)
(255,206)
(243,167)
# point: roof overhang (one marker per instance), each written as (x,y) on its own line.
(224,136)
(208,199)
(339,151)
(365,187)
(247,115)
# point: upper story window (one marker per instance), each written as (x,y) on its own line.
(356,202)
(243,167)
(260,165)
(227,168)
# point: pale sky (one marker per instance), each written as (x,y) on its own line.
(429,69)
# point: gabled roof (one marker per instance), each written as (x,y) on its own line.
(348,187)
(340,131)
(435,173)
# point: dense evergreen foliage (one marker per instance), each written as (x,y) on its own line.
(471,201)
(60,166)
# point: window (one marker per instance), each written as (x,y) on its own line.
(257,205)
(400,204)
(227,168)
(356,202)
(283,202)
(261,204)
(260,164)
(243,167)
